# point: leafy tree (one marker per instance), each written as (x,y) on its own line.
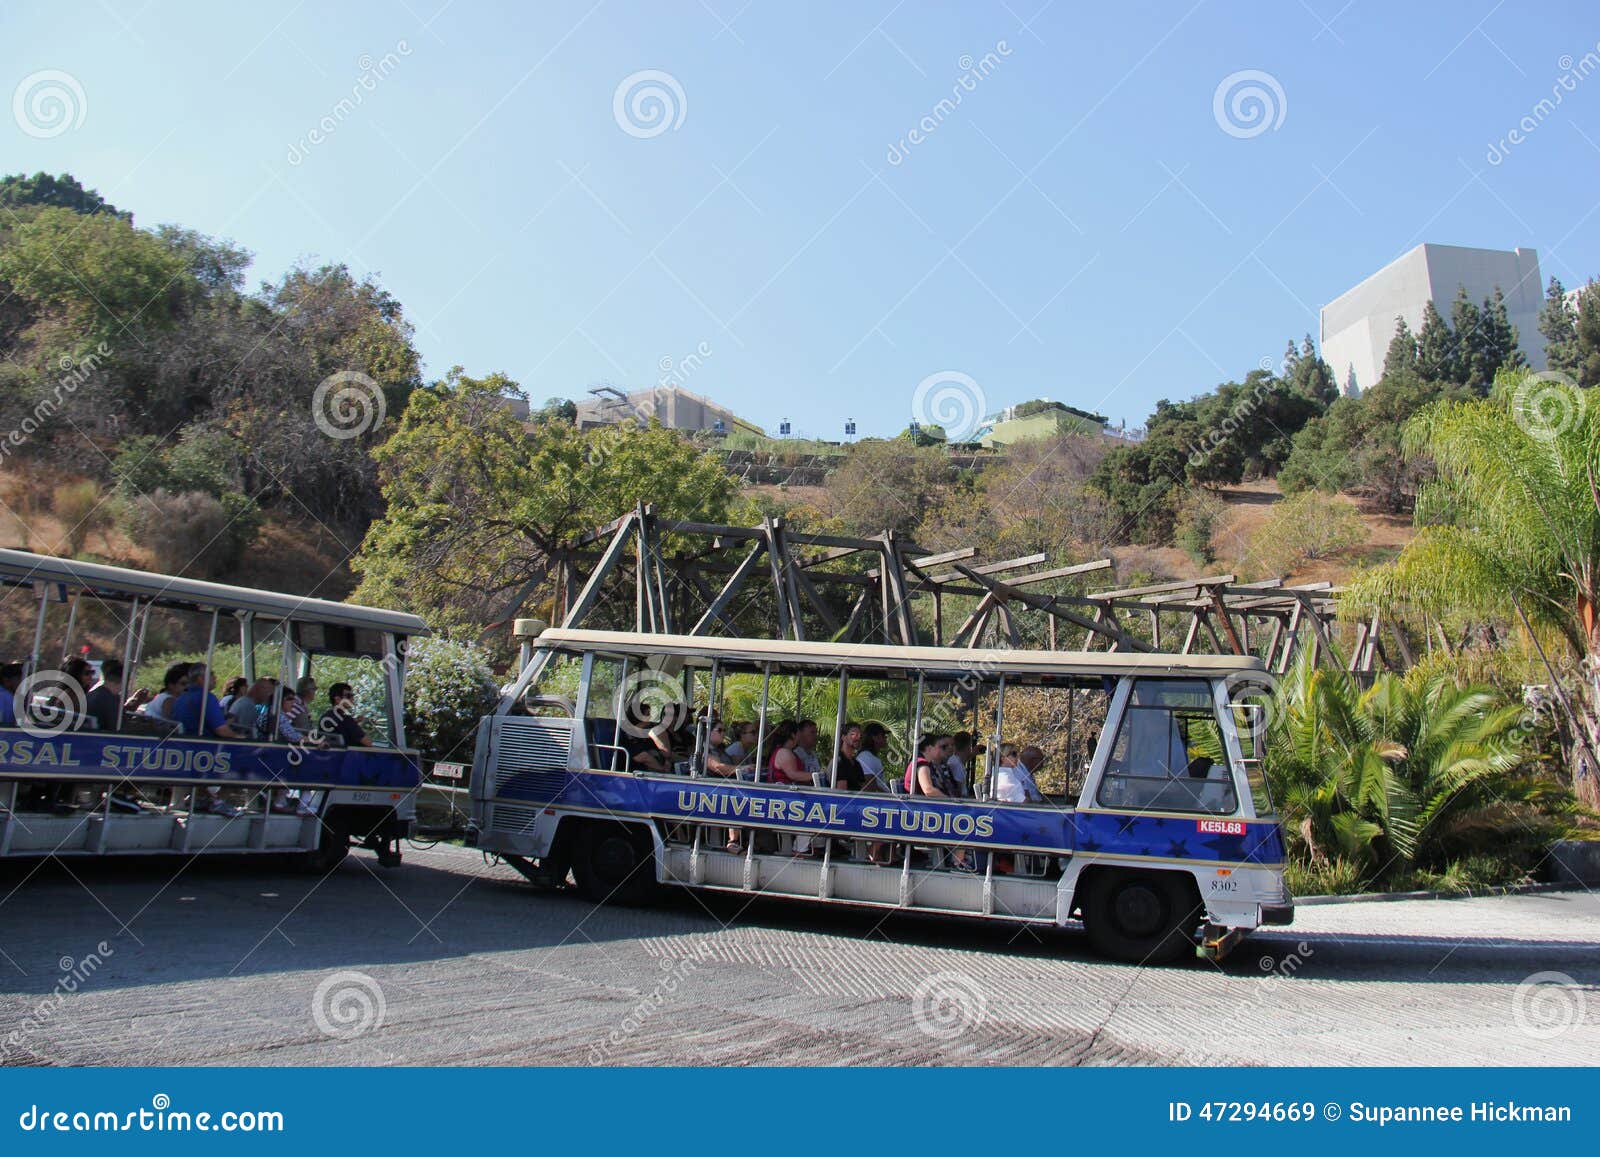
(1558,323)
(1511,528)
(1438,356)
(557,410)
(89,280)
(478,506)
(1307,375)
(64,192)
(1587,329)
(886,485)
(1402,355)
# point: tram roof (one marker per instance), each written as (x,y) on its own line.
(20,568)
(954,661)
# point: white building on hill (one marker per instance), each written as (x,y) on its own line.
(1358,325)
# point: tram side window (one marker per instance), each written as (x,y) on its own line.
(1169,754)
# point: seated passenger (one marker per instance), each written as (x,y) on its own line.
(783,765)
(963,750)
(247,714)
(340,717)
(106,703)
(874,738)
(805,747)
(743,748)
(198,711)
(847,772)
(930,773)
(10,680)
(1013,778)
(173,684)
(231,691)
(717,759)
(289,712)
(305,690)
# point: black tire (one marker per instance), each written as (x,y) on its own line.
(333,845)
(615,864)
(1142,917)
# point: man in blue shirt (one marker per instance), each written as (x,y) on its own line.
(10,680)
(198,706)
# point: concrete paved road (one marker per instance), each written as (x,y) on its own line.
(446,960)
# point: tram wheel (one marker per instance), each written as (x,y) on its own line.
(615,864)
(333,845)
(1141,917)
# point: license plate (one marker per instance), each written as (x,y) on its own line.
(1221,827)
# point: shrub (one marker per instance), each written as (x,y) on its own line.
(80,510)
(449,687)
(190,532)
(1308,526)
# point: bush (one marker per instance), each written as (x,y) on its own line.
(80,510)
(191,533)
(449,687)
(1308,526)
(1197,522)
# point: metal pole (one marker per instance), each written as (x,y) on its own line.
(72,621)
(128,666)
(38,628)
(838,730)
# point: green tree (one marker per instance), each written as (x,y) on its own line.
(1402,355)
(1586,327)
(1438,357)
(1511,528)
(478,507)
(64,192)
(1558,323)
(886,485)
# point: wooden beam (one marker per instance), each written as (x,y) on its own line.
(729,589)
(1162,588)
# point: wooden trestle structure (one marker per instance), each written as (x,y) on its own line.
(772,581)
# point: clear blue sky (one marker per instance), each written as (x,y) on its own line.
(1081,226)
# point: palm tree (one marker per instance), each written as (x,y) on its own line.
(1412,772)
(1510,530)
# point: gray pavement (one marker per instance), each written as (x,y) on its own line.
(447,960)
